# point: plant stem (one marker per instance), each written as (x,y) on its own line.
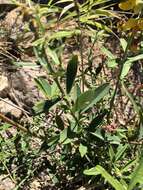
(11,122)
(9,172)
(17,125)
(120,72)
(80,45)
(52,72)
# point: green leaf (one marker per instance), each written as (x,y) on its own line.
(42,61)
(63,1)
(54,90)
(63,34)
(4,127)
(45,105)
(129,165)
(63,135)
(120,152)
(113,139)
(131,98)
(100,170)
(111,63)
(66,8)
(82,150)
(76,92)
(43,86)
(98,134)
(127,65)
(137,177)
(53,140)
(90,97)
(53,55)
(135,58)
(111,153)
(123,43)
(71,73)
(108,53)
(96,121)
(91,171)
(39,41)
(67,141)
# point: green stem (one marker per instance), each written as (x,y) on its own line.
(80,44)
(8,172)
(119,76)
(52,72)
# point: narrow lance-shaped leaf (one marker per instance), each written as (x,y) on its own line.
(108,53)
(127,65)
(96,121)
(43,86)
(53,55)
(82,150)
(71,73)
(87,99)
(137,177)
(131,98)
(63,135)
(66,9)
(100,170)
(123,43)
(120,152)
(62,34)
(45,105)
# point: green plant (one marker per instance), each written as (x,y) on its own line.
(81,143)
(135,178)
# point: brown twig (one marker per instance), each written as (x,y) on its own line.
(13,123)
(13,105)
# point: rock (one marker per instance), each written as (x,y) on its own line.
(4,86)
(35,185)
(6,6)
(6,183)
(7,108)
(5,1)
(24,87)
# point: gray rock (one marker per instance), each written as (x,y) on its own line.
(4,86)
(6,183)
(6,107)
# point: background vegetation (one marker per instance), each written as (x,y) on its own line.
(86,132)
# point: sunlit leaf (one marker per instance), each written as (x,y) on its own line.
(52,54)
(45,105)
(82,150)
(127,65)
(63,135)
(43,86)
(100,170)
(66,8)
(123,43)
(87,99)
(137,176)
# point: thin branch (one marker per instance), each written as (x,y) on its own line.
(13,123)
(8,172)
(13,105)
(120,72)
(81,44)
